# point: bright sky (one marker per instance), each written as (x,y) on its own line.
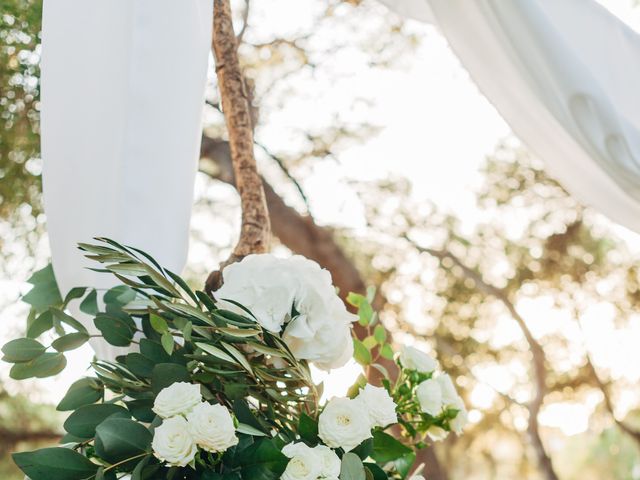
(437,128)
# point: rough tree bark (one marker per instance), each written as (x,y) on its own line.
(255,231)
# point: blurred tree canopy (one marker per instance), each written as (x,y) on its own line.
(509,303)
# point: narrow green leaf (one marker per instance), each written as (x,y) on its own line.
(167,342)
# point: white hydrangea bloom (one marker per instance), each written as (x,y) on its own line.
(344,423)
(379,405)
(212,427)
(172,442)
(177,399)
(273,289)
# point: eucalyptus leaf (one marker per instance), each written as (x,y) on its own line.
(55,464)
(83,422)
(22,350)
(45,365)
(351,467)
(82,392)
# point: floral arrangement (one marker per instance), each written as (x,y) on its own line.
(220,388)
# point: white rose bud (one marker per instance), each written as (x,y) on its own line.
(344,423)
(437,434)
(329,460)
(413,359)
(177,399)
(172,442)
(429,396)
(462,418)
(450,396)
(305,463)
(379,405)
(212,427)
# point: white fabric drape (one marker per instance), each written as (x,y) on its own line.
(122,97)
(564,75)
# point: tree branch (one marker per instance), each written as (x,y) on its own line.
(537,352)
(255,231)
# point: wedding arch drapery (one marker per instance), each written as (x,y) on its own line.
(122,97)
(564,75)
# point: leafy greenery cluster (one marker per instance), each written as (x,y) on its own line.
(181,336)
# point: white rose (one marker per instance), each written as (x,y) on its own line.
(429,395)
(212,427)
(417,477)
(177,399)
(272,289)
(305,463)
(413,359)
(344,423)
(330,462)
(261,285)
(379,405)
(450,396)
(172,442)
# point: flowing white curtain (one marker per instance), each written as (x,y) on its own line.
(564,74)
(122,97)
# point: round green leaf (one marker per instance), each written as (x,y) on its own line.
(55,464)
(70,341)
(22,350)
(116,330)
(351,467)
(83,392)
(165,374)
(118,439)
(83,422)
(46,365)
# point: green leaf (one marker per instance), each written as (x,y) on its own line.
(116,330)
(167,342)
(365,313)
(118,439)
(403,464)
(361,354)
(120,295)
(351,467)
(369,342)
(41,324)
(249,430)
(165,374)
(355,299)
(45,292)
(139,365)
(83,422)
(386,448)
(216,352)
(380,334)
(55,464)
(308,428)
(46,365)
(376,472)
(262,461)
(70,341)
(153,351)
(82,392)
(158,323)
(89,304)
(68,319)
(386,351)
(74,293)
(22,350)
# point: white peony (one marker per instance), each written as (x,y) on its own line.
(172,442)
(429,395)
(212,427)
(330,462)
(344,423)
(305,463)
(413,359)
(274,289)
(379,405)
(177,399)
